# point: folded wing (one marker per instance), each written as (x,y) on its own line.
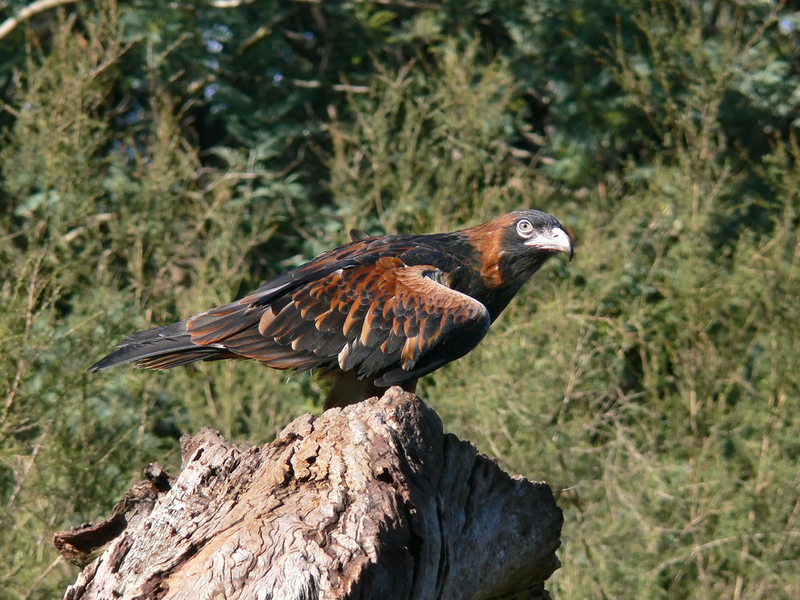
(384,320)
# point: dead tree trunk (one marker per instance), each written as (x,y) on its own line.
(371,501)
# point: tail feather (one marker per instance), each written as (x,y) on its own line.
(160,363)
(159,348)
(173,330)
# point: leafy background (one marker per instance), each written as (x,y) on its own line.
(160,158)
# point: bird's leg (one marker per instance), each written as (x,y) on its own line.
(346,389)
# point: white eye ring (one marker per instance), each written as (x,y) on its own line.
(524,228)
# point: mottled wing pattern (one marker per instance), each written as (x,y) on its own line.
(382,318)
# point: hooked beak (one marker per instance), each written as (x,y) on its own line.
(556,240)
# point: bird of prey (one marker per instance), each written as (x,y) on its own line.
(376,312)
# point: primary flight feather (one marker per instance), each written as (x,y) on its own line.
(376,312)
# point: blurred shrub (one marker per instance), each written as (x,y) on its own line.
(428,147)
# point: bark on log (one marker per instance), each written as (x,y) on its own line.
(371,501)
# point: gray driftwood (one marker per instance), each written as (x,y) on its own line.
(370,501)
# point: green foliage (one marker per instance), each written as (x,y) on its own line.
(159,159)
(428,148)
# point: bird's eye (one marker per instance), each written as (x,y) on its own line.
(524,228)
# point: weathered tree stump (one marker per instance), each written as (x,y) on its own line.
(371,501)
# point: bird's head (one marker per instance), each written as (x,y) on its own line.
(534,233)
(513,247)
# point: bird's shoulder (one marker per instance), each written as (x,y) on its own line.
(446,252)
(442,250)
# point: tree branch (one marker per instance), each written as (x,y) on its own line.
(28,12)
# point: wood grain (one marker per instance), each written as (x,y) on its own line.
(370,501)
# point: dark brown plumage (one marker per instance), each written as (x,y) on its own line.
(376,312)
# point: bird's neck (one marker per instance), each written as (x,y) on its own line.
(482,278)
(493,276)
(475,264)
